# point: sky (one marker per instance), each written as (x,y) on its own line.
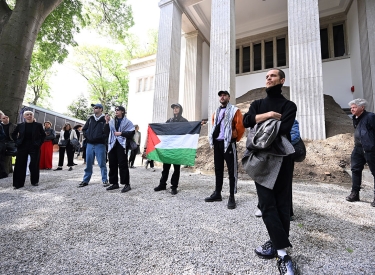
(67,84)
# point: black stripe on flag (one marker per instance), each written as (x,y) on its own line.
(176,128)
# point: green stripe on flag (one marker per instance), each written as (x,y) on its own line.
(182,156)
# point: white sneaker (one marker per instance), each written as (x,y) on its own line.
(258,213)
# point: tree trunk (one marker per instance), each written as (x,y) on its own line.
(17,39)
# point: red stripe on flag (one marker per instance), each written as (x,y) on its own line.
(152,140)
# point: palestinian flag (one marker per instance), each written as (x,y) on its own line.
(174,142)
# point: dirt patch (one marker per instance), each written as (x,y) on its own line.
(326,160)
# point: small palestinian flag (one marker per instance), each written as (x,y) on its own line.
(174,142)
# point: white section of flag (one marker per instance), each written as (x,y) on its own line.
(178,141)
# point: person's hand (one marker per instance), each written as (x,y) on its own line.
(107,118)
(274,115)
(117,134)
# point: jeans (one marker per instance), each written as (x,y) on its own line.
(92,151)
(358,160)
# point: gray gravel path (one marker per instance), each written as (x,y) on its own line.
(57,228)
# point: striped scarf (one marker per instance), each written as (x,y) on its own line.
(125,126)
(230,111)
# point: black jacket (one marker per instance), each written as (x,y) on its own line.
(365,128)
(38,134)
(93,131)
(178,117)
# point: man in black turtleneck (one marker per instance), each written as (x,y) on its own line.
(275,203)
(177,117)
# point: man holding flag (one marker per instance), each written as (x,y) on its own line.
(227,128)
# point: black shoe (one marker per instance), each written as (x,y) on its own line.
(18,187)
(286,266)
(354,196)
(35,184)
(160,187)
(83,184)
(57,169)
(373,203)
(213,197)
(266,251)
(174,191)
(113,187)
(231,202)
(126,188)
(106,183)
(75,163)
(70,169)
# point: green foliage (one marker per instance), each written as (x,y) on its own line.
(80,108)
(300,225)
(349,250)
(105,71)
(151,46)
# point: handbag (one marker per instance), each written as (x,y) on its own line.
(75,144)
(216,131)
(132,145)
(300,151)
(10,149)
(63,142)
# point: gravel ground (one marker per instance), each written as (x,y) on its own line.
(57,228)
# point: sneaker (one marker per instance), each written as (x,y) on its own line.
(160,187)
(126,188)
(286,266)
(83,184)
(214,197)
(106,183)
(354,196)
(266,251)
(70,169)
(113,187)
(231,202)
(258,213)
(57,169)
(174,191)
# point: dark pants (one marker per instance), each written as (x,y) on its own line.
(69,153)
(230,157)
(133,154)
(175,176)
(3,172)
(118,161)
(275,205)
(19,174)
(358,160)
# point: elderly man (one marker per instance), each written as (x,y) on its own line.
(275,203)
(364,146)
(28,136)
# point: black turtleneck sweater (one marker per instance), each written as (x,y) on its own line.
(276,102)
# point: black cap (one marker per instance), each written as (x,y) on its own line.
(176,105)
(223,92)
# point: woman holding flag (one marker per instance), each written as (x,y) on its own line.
(120,131)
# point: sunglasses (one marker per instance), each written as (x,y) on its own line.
(117,110)
(96,108)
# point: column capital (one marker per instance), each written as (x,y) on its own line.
(164,3)
(193,34)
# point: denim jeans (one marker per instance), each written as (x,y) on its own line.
(358,160)
(92,151)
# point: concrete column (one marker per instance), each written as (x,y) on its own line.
(193,77)
(305,67)
(222,53)
(366,10)
(167,72)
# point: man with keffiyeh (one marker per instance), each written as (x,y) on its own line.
(227,129)
(120,132)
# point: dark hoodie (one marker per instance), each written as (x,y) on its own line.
(178,117)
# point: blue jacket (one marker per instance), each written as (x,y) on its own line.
(294,133)
(365,127)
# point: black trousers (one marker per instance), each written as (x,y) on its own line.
(358,160)
(175,176)
(19,174)
(69,153)
(3,172)
(275,205)
(133,154)
(118,161)
(230,157)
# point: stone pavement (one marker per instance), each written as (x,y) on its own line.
(57,228)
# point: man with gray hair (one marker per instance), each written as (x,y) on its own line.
(364,146)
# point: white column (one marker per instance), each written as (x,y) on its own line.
(222,53)
(366,9)
(305,67)
(167,73)
(193,77)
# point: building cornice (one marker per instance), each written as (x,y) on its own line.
(141,64)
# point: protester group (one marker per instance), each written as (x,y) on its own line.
(272,148)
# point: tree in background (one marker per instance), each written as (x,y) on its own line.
(21,22)
(105,71)
(80,108)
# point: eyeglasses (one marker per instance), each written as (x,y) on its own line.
(96,108)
